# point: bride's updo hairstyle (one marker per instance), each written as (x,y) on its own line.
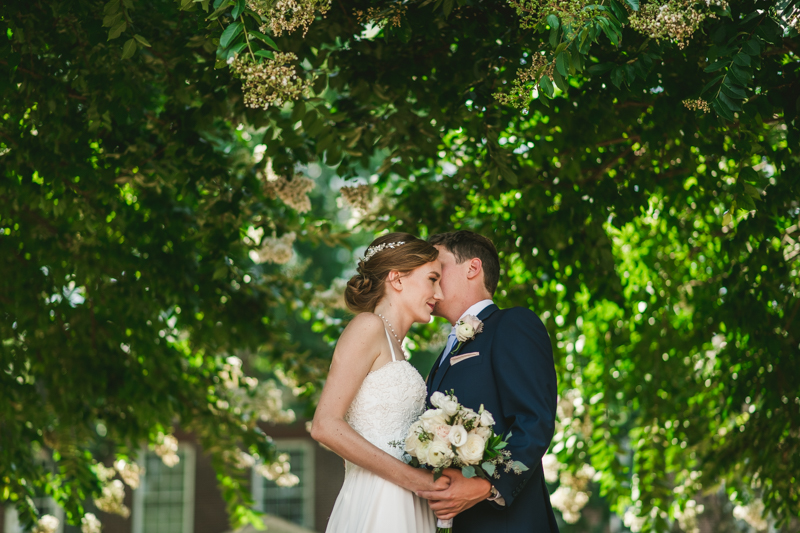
(365,289)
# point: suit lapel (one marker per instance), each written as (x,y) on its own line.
(440,371)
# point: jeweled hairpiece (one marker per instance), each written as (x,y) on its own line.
(372,250)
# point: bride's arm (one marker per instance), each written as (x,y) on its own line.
(356,352)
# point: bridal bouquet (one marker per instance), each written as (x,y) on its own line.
(451,435)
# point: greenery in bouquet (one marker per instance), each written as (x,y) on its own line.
(451,435)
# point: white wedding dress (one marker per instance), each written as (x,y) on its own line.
(389,401)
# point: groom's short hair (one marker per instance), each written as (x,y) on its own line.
(465,245)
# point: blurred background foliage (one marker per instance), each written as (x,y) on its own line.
(635,163)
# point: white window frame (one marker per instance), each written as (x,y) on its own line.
(188,491)
(11,519)
(309,473)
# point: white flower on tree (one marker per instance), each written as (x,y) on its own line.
(111,499)
(753,514)
(46,524)
(90,524)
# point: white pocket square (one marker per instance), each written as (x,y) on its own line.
(462,357)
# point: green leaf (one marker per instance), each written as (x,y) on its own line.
(230,33)
(752,191)
(117,29)
(560,82)
(726,218)
(716,65)
(221,272)
(447,7)
(600,68)
(129,48)
(752,47)
(238,8)
(711,83)
(219,10)
(267,40)
(742,59)
(562,63)
(264,53)
(617,76)
(520,466)
(732,104)
(749,174)
(552,20)
(489,468)
(468,471)
(634,4)
(733,92)
(141,40)
(722,109)
(546,85)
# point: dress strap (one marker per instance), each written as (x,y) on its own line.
(391,347)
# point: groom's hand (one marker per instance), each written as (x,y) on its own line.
(462,494)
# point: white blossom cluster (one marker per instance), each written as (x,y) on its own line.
(274,249)
(272,82)
(294,192)
(264,402)
(90,524)
(698,104)
(359,197)
(687,517)
(633,521)
(753,514)
(520,94)
(166,447)
(129,472)
(391,16)
(111,499)
(676,20)
(46,524)
(279,471)
(332,297)
(571,495)
(288,15)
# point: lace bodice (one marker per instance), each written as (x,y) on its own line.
(389,401)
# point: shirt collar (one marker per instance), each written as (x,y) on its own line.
(476,308)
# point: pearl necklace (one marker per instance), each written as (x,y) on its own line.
(394,335)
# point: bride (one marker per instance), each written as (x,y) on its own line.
(372,394)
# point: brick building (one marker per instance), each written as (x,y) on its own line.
(186,499)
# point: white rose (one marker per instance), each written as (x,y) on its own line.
(471,452)
(450,406)
(432,418)
(422,450)
(436,398)
(412,440)
(487,419)
(457,436)
(442,431)
(464,332)
(439,454)
(482,432)
(473,321)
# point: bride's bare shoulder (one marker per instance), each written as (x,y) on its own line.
(364,324)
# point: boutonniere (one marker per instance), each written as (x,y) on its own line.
(466,330)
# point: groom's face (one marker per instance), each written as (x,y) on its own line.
(453,282)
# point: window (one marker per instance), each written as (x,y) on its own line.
(164,501)
(45,505)
(295,504)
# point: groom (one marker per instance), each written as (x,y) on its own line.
(508,368)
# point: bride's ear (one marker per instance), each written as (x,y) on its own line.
(395,280)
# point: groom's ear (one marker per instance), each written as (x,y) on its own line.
(475,268)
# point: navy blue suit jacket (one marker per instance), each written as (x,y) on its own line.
(514,378)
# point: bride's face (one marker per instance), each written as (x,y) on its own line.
(421,291)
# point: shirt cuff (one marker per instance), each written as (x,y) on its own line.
(498,499)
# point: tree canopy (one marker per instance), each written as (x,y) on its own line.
(635,163)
